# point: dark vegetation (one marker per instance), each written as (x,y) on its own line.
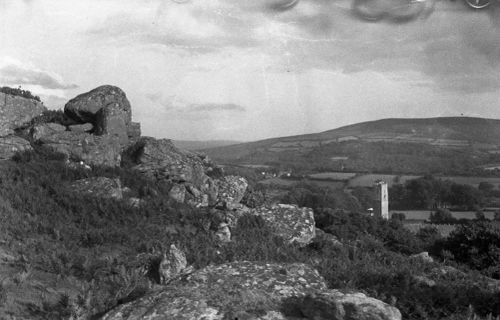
(20,93)
(431,193)
(104,245)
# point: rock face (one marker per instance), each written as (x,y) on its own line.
(99,186)
(95,150)
(292,223)
(233,290)
(84,107)
(45,129)
(17,111)
(10,145)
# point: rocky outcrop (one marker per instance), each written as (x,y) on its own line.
(99,187)
(94,150)
(161,160)
(423,257)
(84,107)
(134,130)
(290,222)
(252,290)
(45,129)
(10,145)
(16,112)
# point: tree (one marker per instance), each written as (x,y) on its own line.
(497,215)
(486,186)
(398,216)
(480,215)
(442,216)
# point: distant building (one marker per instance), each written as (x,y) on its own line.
(381,201)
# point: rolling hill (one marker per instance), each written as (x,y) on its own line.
(427,145)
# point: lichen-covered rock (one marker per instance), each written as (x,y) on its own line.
(45,129)
(10,145)
(177,193)
(231,190)
(99,187)
(113,120)
(172,265)
(84,107)
(223,232)
(216,292)
(17,111)
(290,222)
(335,305)
(94,150)
(84,127)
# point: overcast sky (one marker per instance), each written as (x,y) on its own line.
(253,69)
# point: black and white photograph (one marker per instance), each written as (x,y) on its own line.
(249,159)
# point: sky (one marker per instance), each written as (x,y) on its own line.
(254,69)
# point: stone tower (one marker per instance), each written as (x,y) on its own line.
(381,203)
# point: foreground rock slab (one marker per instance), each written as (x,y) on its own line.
(253,290)
(99,186)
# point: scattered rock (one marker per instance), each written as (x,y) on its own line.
(84,107)
(16,112)
(172,265)
(85,127)
(94,150)
(292,223)
(45,129)
(422,256)
(223,232)
(10,145)
(336,305)
(231,190)
(113,120)
(424,281)
(99,187)
(177,193)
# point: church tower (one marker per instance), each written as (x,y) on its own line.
(381,203)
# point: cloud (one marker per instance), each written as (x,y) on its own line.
(214,107)
(18,74)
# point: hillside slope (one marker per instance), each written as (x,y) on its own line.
(467,142)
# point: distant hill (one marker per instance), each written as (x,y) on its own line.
(200,145)
(373,145)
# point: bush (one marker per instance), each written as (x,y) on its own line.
(442,216)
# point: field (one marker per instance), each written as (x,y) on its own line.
(367,180)
(289,182)
(341,176)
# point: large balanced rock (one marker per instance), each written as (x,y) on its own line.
(290,222)
(84,107)
(249,290)
(10,145)
(17,111)
(95,150)
(101,187)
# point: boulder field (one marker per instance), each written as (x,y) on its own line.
(100,132)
